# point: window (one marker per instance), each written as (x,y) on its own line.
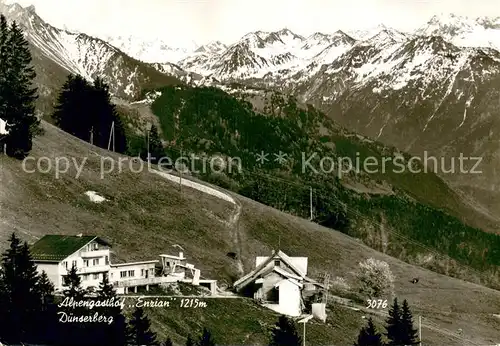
(85,277)
(131,273)
(85,263)
(277,263)
(123,274)
(95,261)
(142,272)
(106,260)
(152,271)
(168,264)
(96,246)
(73,264)
(96,277)
(65,264)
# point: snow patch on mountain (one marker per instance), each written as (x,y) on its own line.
(151,51)
(464,31)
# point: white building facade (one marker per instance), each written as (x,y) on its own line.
(279,282)
(57,254)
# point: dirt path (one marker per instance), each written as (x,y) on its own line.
(234,220)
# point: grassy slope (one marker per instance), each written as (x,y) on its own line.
(428,216)
(147,215)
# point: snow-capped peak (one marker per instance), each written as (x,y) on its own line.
(447,25)
(464,31)
(151,50)
(214,47)
(364,34)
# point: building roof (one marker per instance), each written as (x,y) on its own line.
(253,275)
(55,248)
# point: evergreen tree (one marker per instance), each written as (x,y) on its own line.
(116,333)
(189,341)
(206,338)
(25,298)
(139,329)
(168,342)
(18,94)
(285,333)
(409,334)
(80,333)
(47,320)
(4,35)
(106,289)
(73,107)
(156,149)
(394,333)
(368,336)
(85,110)
(73,285)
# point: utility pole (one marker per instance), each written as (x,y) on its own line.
(420,330)
(305,320)
(180,174)
(311,202)
(327,284)
(111,135)
(149,155)
(304,336)
(92,135)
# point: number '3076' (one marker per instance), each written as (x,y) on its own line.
(377,304)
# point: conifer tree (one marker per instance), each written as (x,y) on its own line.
(106,289)
(4,35)
(18,93)
(25,298)
(85,110)
(285,333)
(168,342)
(73,285)
(72,111)
(368,336)
(116,333)
(409,334)
(189,341)
(139,330)
(394,333)
(156,149)
(206,338)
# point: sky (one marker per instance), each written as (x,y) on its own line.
(180,22)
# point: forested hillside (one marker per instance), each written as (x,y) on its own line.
(413,216)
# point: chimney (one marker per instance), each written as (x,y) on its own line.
(181,255)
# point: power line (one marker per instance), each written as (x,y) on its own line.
(363,217)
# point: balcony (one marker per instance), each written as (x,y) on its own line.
(93,269)
(94,254)
(144,281)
